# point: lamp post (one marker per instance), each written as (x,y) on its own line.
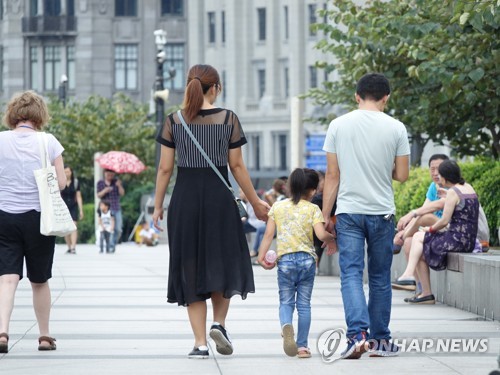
(160,93)
(62,89)
(160,41)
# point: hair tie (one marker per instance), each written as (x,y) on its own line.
(198,78)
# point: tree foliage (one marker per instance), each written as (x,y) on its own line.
(441,57)
(101,125)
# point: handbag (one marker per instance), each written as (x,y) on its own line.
(239,203)
(55,219)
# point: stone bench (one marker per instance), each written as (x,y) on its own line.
(471,282)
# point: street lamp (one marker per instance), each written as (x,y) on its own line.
(160,95)
(62,89)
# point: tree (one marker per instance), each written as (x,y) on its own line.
(100,125)
(441,57)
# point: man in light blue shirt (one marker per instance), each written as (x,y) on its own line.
(366,150)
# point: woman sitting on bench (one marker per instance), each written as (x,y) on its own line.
(456,231)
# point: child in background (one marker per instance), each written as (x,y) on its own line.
(106,225)
(295,219)
(148,235)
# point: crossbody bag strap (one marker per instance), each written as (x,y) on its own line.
(202,151)
(44,153)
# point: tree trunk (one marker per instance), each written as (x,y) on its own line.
(495,148)
(417,148)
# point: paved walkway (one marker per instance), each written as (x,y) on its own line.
(110,316)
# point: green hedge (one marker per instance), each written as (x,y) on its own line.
(484,176)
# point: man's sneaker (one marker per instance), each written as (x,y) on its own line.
(222,342)
(356,347)
(383,348)
(289,344)
(200,352)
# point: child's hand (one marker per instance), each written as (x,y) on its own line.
(331,247)
(263,263)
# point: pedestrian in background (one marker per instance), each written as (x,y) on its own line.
(209,257)
(72,196)
(295,220)
(366,150)
(20,237)
(111,189)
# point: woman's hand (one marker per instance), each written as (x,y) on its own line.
(157,216)
(261,209)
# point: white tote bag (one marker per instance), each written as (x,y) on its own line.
(55,219)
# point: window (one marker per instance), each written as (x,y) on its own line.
(126,8)
(224,86)
(126,67)
(172,7)
(1,68)
(312,18)
(35,78)
(70,10)
(313,77)
(280,150)
(253,151)
(223,27)
(52,7)
(33,8)
(174,59)
(285,21)
(286,80)
(261,16)
(51,67)
(261,82)
(70,66)
(211,27)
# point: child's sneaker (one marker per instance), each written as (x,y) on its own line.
(383,348)
(289,344)
(356,347)
(200,352)
(222,342)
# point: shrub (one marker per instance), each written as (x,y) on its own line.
(484,176)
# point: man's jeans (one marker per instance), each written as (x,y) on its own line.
(118,228)
(352,232)
(296,273)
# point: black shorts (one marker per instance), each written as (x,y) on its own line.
(20,239)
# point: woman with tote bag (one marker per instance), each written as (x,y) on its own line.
(20,238)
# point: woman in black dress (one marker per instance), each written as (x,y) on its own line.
(73,199)
(209,255)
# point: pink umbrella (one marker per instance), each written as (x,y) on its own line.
(121,162)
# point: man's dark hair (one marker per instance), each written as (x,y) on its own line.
(438,157)
(373,86)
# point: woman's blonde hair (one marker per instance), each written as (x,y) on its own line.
(26,106)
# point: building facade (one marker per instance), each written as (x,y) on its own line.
(101,46)
(264,51)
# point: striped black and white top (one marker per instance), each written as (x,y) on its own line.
(217,130)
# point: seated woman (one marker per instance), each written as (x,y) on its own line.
(456,231)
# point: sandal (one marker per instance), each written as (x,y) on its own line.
(50,340)
(303,352)
(4,345)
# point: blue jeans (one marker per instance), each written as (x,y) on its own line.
(118,228)
(259,235)
(296,273)
(352,232)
